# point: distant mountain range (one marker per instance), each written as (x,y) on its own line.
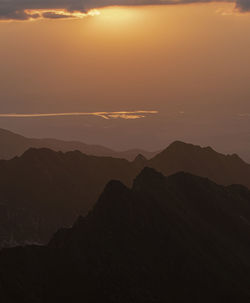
(43,190)
(12,145)
(173,239)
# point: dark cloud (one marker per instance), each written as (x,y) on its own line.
(21,9)
(243,5)
(54,15)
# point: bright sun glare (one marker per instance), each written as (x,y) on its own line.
(118,13)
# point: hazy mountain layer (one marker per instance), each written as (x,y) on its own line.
(12,145)
(43,190)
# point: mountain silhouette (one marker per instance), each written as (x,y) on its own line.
(202,161)
(43,190)
(12,145)
(181,238)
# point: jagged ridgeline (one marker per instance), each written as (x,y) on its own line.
(173,239)
(43,190)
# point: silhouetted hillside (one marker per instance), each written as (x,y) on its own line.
(43,190)
(223,169)
(172,239)
(12,145)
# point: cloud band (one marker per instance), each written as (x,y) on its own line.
(105,115)
(56,9)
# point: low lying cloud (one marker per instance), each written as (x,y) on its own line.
(57,9)
(127,115)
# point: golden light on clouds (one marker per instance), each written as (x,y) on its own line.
(61,13)
(56,14)
(22,10)
(117,14)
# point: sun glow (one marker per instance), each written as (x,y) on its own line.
(93,12)
(114,21)
(120,14)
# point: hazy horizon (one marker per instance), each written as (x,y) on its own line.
(187,63)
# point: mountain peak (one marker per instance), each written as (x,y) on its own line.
(140,158)
(150,173)
(147,176)
(179,150)
(114,186)
(37,152)
(179,145)
(113,193)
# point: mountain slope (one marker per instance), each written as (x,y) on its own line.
(12,145)
(202,161)
(168,239)
(43,190)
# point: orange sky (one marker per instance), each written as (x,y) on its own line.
(189,62)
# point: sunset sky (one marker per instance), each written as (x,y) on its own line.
(138,74)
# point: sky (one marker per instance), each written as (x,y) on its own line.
(138,74)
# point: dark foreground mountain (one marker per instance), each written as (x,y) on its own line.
(12,145)
(43,190)
(168,239)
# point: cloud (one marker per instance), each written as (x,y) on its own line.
(105,115)
(55,15)
(34,9)
(243,5)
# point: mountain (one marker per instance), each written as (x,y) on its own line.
(173,239)
(43,190)
(12,145)
(202,161)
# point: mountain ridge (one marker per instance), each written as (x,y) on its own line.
(201,161)
(43,190)
(13,144)
(142,244)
